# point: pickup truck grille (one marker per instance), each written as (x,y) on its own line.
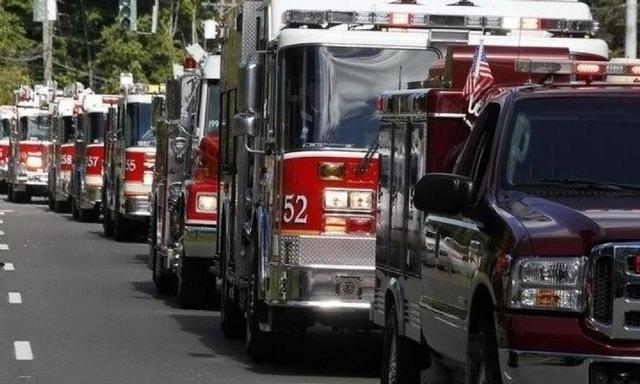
(603,290)
(614,305)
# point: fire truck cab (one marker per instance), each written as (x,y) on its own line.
(63,121)
(456,279)
(129,172)
(183,228)
(29,145)
(7,120)
(89,156)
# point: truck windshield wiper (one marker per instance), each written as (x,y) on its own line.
(364,163)
(582,183)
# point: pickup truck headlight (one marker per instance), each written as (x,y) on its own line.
(207,203)
(549,283)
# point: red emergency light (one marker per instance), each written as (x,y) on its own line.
(636,264)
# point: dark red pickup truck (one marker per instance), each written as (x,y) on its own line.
(529,250)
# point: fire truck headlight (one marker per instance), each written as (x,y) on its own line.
(361,200)
(549,283)
(34,162)
(207,203)
(336,199)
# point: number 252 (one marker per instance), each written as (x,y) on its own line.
(291,204)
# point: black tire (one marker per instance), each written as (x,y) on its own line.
(52,203)
(107,223)
(74,210)
(10,193)
(164,282)
(89,215)
(483,366)
(232,319)
(4,187)
(399,358)
(195,283)
(122,228)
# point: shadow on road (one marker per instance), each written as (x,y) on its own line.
(326,353)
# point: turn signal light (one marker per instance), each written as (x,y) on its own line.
(349,225)
(331,171)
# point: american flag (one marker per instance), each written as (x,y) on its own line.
(480,78)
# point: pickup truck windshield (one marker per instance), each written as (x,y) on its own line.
(34,128)
(327,95)
(573,141)
(138,131)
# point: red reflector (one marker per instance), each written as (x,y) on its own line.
(636,264)
(363,225)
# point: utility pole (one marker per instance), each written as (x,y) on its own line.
(47,44)
(631,38)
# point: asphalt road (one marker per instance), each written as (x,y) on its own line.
(76,307)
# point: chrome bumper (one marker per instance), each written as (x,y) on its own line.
(32,180)
(524,367)
(137,207)
(200,241)
(320,287)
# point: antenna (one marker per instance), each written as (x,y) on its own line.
(400,78)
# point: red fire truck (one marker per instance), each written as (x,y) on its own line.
(298,169)
(29,145)
(61,156)
(86,183)
(129,166)
(7,120)
(183,227)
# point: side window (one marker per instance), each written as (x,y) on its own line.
(475,157)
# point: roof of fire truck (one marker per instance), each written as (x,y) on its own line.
(7,112)
(94,104)
(435,23)
(64,106)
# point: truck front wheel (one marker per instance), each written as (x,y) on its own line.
(482,356)
(195,283)
(399,358)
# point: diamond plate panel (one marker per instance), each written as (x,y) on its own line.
(322,250)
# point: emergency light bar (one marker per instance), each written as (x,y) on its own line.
(577,67)
(329,18)
(613,72)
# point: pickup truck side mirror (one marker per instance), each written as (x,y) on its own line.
(443,193)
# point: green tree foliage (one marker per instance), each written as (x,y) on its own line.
(610,15)
(88,45)
(13,43)
(147,57)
